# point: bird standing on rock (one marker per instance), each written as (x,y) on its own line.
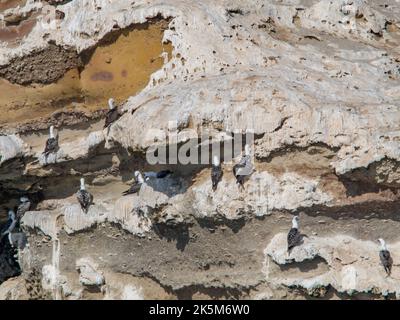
(216,172)
(385,257)
(84,197)
(159,175)
(24,206)
(135,187)
(244,168)
(51,143)
(10,224)
(112,114)
(294,236)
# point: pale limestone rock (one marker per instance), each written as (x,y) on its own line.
(353,265)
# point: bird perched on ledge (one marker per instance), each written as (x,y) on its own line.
(112,114)
(84,197)
(135,187)
(385,257)
(24,206)
(9,225)
(294,236)
(51,143)
(244,168)
(216,172)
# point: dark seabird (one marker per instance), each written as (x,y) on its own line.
(24,206)
(385,257)
(9,225)
(135,187)
(216,173)
(159,175)
(112,114)
(244,168)
(294,236)
(84,197)
(51,143)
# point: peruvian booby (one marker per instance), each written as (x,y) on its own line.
(84,197)
(24,206)
(294,236)
(216,172)
(112,114)
(9,225)
(51,143)
(244,168)
(385,257)
(135,187)
(159,175)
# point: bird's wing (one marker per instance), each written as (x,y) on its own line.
(163,174)
(84,198)
(293,237)
(216,173)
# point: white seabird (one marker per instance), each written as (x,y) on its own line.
(135,187)
(112,114)
(385,257)
(294,236)
(244,168)
(216,172)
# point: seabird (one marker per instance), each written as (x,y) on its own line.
(216,172)
(23,207)
(112,114)
(84,197)
(159,175)
(10,224)
(51,143)
(294,236)
(135,187)
(244,168)
(385,257)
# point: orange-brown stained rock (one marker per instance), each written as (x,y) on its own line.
(118,70)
